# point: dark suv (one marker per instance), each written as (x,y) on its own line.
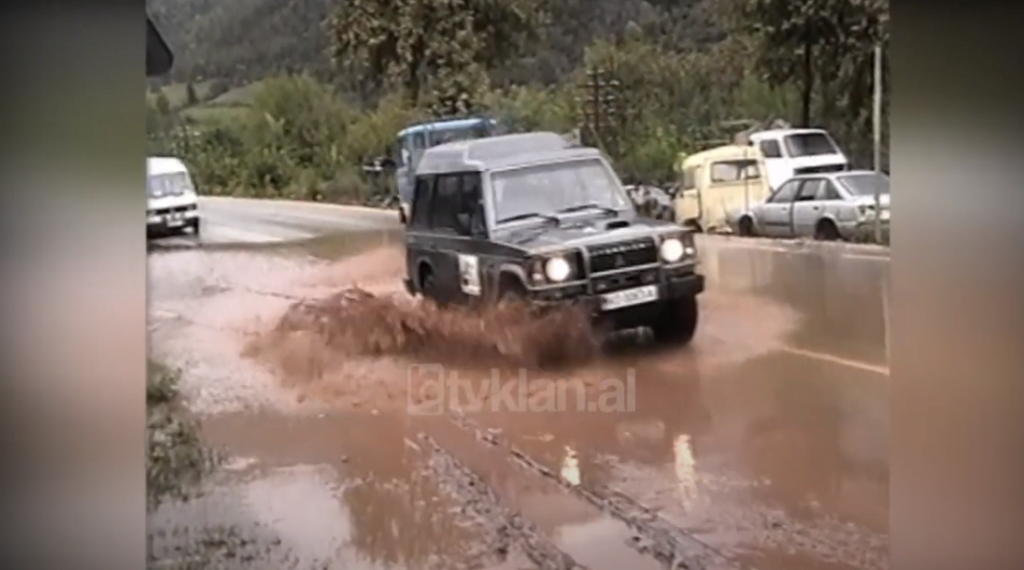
(528,217)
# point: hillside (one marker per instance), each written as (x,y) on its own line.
(242,40)
(247,40)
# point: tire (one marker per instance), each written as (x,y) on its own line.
(677,323)
(826,231)
(511,294)
(746,228)
(195,227)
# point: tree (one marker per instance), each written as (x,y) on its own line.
(190,94)
(442,45)
(822,48)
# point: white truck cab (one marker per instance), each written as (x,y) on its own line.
(172,205)
(788,152)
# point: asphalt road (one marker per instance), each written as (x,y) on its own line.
(227,221)
(764,445)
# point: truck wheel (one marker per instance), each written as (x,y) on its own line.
(677,323)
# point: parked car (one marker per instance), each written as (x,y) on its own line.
(717,181)
(825,206)
(172,205)
(527,218)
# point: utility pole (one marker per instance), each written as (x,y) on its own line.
(877,135)
(599,107)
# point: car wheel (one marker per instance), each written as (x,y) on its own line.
(677,323)
(746,226)
(826,231)
(196,227)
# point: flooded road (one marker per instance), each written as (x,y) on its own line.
(764,445)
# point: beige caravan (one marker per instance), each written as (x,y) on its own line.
(716,182)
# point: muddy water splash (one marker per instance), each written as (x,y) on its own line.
(356,323)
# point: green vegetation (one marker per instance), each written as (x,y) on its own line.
(291,98)
(176,461)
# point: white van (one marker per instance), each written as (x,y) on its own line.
(788,152)
(172,205)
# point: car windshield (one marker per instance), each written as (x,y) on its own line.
(551,188)
(865,184)
(809,144)
(168,184)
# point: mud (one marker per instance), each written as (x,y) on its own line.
(762,445)
(654,536)
(355,322)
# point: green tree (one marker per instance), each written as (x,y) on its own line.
(446,46)
(818,45)
(190,94)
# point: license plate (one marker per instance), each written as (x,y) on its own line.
(629,297)
(175,221)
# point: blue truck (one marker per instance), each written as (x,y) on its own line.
(416,138)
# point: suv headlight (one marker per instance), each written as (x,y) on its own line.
(557,269)
(672,250)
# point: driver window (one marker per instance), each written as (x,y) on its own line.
(447,204)
(785,193)
(809,190)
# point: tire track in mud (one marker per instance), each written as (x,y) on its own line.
(652,534)
(483,500)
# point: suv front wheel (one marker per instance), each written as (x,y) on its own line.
(677,322)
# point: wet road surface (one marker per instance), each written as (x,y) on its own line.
(764,445)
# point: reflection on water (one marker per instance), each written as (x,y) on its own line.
(685,469)
(571,467)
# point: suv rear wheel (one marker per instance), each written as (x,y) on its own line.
(677,323)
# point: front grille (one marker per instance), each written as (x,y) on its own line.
(622,255)
(174,210)
(626,280)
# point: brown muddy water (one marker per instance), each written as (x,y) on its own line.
(367,429)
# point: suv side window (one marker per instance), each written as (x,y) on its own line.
(770,149)
(472,210)
(422,202)
(447,204)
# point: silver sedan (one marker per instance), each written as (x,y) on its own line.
(825,206)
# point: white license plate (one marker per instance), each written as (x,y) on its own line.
(629,297)
(175,221)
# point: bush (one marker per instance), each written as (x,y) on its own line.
(176,460)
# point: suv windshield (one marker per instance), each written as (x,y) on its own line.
(865,184)
(551,188)
(809,144)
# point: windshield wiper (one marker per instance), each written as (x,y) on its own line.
(588,206)
(530,215)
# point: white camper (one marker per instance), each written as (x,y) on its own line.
(788,152)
